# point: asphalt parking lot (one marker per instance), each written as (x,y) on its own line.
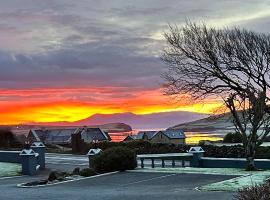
(122,185)
(68,162)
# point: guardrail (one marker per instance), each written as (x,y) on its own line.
(163,157)
(195,156)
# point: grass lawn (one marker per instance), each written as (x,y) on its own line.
(244,179)
(9,169)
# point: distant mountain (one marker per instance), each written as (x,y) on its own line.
(114,127)
(148,121)
(216,123)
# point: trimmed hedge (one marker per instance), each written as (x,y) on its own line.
(144,147)
(140,147)
(115,159)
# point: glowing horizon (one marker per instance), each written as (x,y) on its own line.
(57,105)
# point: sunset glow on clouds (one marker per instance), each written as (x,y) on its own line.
(63,60)
(24,106)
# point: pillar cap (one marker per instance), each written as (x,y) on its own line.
(27,152)
(197,149)
(93,152)
(37,144)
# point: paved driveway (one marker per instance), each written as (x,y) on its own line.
(68,162)
(125,185)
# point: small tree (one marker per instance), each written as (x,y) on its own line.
(232,64)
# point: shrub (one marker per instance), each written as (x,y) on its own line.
(115,159)
(57,175)
(7,139)
(258,192)
(233,138)
(76,171)
(144,147)
(87,172)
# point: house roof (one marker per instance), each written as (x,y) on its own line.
(132,137)
(149,134)
(54,135)
(91,134)
(174,134)
(61,136)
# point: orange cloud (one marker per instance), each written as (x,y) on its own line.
(64,104)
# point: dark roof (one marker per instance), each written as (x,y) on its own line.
(149,134)
(130,137)
(63,136)
(140,135)
(174,134)
(57,136)
(90,134)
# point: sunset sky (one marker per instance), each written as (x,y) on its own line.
(64,60)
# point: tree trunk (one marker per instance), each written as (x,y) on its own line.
(250,154)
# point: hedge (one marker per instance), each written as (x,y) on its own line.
(115,159)
(144,147)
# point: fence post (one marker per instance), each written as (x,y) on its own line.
(40,148)
(142,165)
(29,162)
(91,154)
(152,162)
(197,155)
(173,163)
(162,163)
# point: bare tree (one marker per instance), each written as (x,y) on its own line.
(232,64)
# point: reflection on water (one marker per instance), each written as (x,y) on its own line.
(192,137)
(196,137)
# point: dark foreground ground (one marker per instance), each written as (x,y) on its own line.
(124,185)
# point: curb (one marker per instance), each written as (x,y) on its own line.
(21,185)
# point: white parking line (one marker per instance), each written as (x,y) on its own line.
(73,158)
(150,179)
(68,181)
(61,163)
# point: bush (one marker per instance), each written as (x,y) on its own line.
(57,175)
(144,147)
(233,138)
(258,192)
(7,139)
(140,147)
(115,159)
(87,172)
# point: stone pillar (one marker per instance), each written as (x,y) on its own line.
(29,162)
(91,154)
(197,155)
(40,148)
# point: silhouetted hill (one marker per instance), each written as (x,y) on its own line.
(222,122)
(148,121)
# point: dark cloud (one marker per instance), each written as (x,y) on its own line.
(56,43)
